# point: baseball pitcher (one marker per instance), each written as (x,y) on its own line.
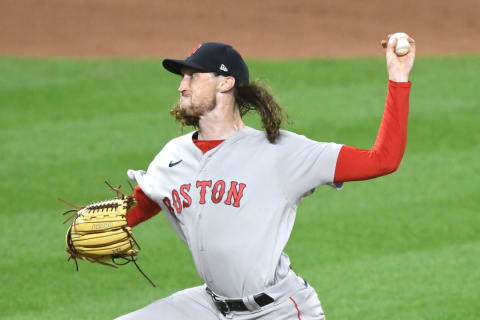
(231,192)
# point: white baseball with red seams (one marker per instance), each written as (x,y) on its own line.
(403,46)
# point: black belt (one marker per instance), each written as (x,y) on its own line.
(226,306)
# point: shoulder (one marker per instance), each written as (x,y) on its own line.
(291,142)
(260,136)
(291,138)
(174,147)
(250,133)
(181,141)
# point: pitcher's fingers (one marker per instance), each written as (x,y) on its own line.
(391,44)
(412,44)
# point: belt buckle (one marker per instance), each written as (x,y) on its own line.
(224,307)
(221,304)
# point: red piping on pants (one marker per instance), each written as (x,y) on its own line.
(296,307)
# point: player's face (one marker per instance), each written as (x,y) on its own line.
(197,92)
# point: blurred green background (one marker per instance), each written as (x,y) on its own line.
(405,246)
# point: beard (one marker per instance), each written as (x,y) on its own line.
(189,113)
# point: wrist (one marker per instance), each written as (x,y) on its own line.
(398,77)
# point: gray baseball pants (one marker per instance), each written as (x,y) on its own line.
(294,300)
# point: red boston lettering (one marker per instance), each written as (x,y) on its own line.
(167,203)
(217,191)
(184,191)
(203,185)
(235,194)
(176,201)
(181,199)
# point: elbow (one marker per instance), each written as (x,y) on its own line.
(390,170)
(390,166)
(390,162)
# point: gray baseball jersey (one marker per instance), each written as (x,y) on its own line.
(235,205)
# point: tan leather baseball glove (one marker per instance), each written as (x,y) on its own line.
(99,232)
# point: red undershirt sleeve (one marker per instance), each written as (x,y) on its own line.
(144,210)
(387,152)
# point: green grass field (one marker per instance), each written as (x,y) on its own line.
(405,246)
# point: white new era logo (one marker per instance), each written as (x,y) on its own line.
(223,68)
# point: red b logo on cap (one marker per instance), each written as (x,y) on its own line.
(194,49)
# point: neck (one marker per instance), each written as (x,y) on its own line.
(220,123)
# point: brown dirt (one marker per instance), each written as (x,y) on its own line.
(259,29)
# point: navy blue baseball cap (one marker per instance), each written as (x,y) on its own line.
(215,57)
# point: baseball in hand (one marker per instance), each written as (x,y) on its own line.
(403,46)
